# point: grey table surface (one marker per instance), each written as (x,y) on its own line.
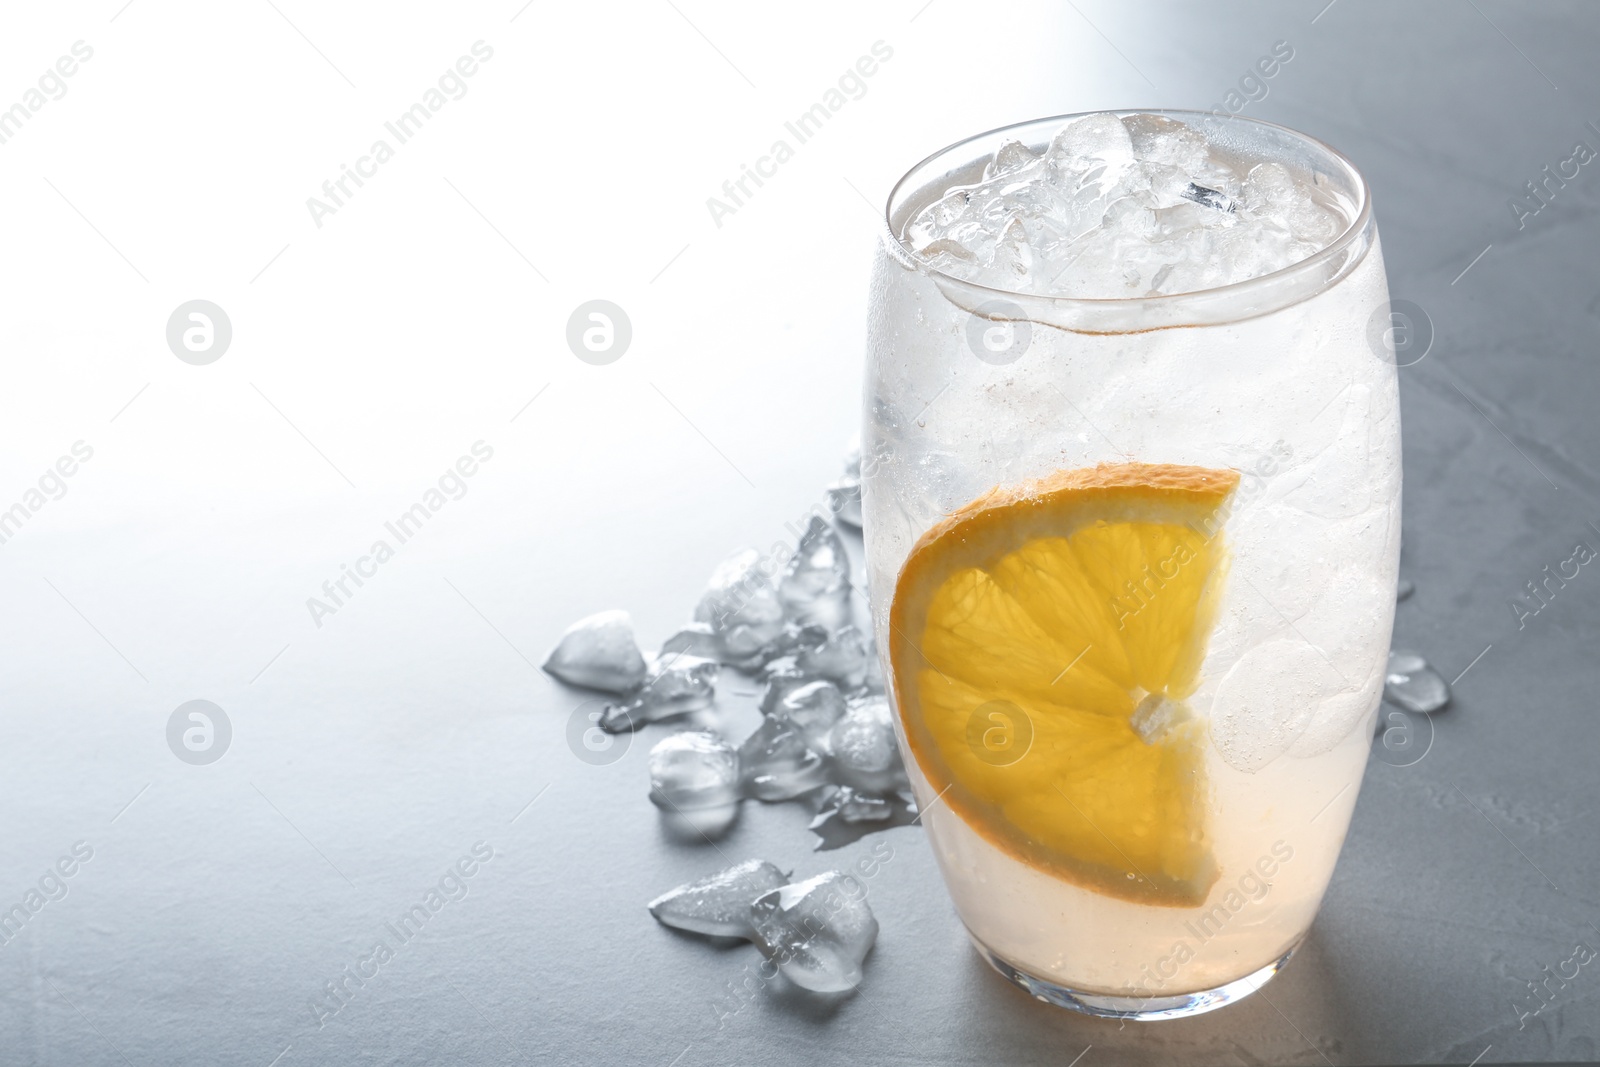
(374,344)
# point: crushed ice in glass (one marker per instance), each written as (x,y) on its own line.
(1142,205)
(1209,197)
(1411,684)
(599,652)
(1155,715)
(719,904)
(817,931)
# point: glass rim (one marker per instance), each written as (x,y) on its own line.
(1358,225)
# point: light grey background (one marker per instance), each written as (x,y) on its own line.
(428,313)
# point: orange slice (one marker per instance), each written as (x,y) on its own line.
(1043,639)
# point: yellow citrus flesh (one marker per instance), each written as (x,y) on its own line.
(1042,639)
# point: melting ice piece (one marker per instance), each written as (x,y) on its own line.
(1404,589)
(844,495)
(844,500)
(839,655)
(863,748)
(719,905)
(693,770)
(1155,715)
(674,685)
(813,707)
(599,652)
(816,582)
(848,815)
(817,931)
(742,608)
(782,678)
(1411,684)
(777,764)
(697,639)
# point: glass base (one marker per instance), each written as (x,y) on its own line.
(1175,1006)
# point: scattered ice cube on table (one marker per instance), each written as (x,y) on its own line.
(813,707)
(844,495)
(1404,589)
(719,905)
(777,764)
(782,677)
(863,748)
(815,586)
(848,815)
(693,770)
(839,655)
(856,806)
(696,638)
(675,684)
(1411,684)
(742,608)
(844,500)
(599,652)
(817,931)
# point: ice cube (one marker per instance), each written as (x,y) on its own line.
(844,500)
(863,748)
(815,586)
(1162,140)
(1213,198)
(741,606)
(839,655)
(1411,684)
(777,764)
(1099,138)
(719,904)
(697,639)
(693,770)
(599,652)
(848,815)
(817,931)
(1157,714)
(1012,156)
(782,678)
(813,707)
(675,684)
(1125,207)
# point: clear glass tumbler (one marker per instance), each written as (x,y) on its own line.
(1135,841)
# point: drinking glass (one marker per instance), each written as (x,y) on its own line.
(1287,382)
